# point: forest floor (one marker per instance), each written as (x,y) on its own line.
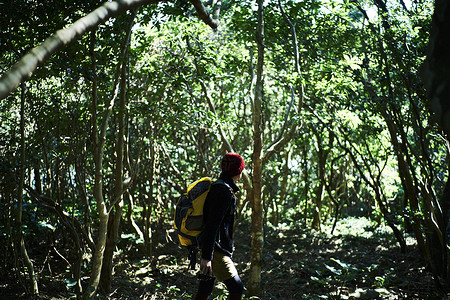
(357,262)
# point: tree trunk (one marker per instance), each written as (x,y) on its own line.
(405,169)
(254,284)
(317,211)
(128,197)
(283,188)
(380,198)
(307,184)
(148,238)
(21,246)
(116,215)
(98,152)
(439,252)
(437,81)
(408,184)
(322,160)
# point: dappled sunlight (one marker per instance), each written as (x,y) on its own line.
(297,264)
(111,109)
(360,261)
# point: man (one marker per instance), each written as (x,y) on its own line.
(217,237)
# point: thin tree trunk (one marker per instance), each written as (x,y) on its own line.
(128,196)
(317,212)
(336,189)
(148,238)
(22,247)
(132,166)
(407,178)
(307,184)
(116,216)
(322,159)
(408,185)
(284,183)
(71,224)
(254,284)
(98,151)
(380,198)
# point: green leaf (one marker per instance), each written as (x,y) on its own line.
(70,282)
(321,281)
(333,270)
(341,264)
(47,225)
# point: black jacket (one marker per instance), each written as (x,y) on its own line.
(218,213)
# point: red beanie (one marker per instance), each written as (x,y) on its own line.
(232,164)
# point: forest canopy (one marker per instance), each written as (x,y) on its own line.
(110,110)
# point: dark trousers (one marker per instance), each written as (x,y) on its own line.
(234,286)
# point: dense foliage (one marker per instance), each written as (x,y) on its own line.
(110,129)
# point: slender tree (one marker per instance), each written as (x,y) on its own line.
(20,240)
(116,208)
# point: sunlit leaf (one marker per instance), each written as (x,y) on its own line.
(70,282)
(340,263)
(333,270)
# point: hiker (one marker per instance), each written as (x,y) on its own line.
(217,238)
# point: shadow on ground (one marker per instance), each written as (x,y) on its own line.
(297,264)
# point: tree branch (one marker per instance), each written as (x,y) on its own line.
(174,168)
(227,143)
(37,56)
(216,10)
(74,225)
(204,15)
(284,136)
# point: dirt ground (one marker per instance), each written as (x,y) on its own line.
(357,262)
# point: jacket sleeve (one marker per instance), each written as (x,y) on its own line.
(219,202)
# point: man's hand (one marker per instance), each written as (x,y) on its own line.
(206,267)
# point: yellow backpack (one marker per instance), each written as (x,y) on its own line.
(188,219)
